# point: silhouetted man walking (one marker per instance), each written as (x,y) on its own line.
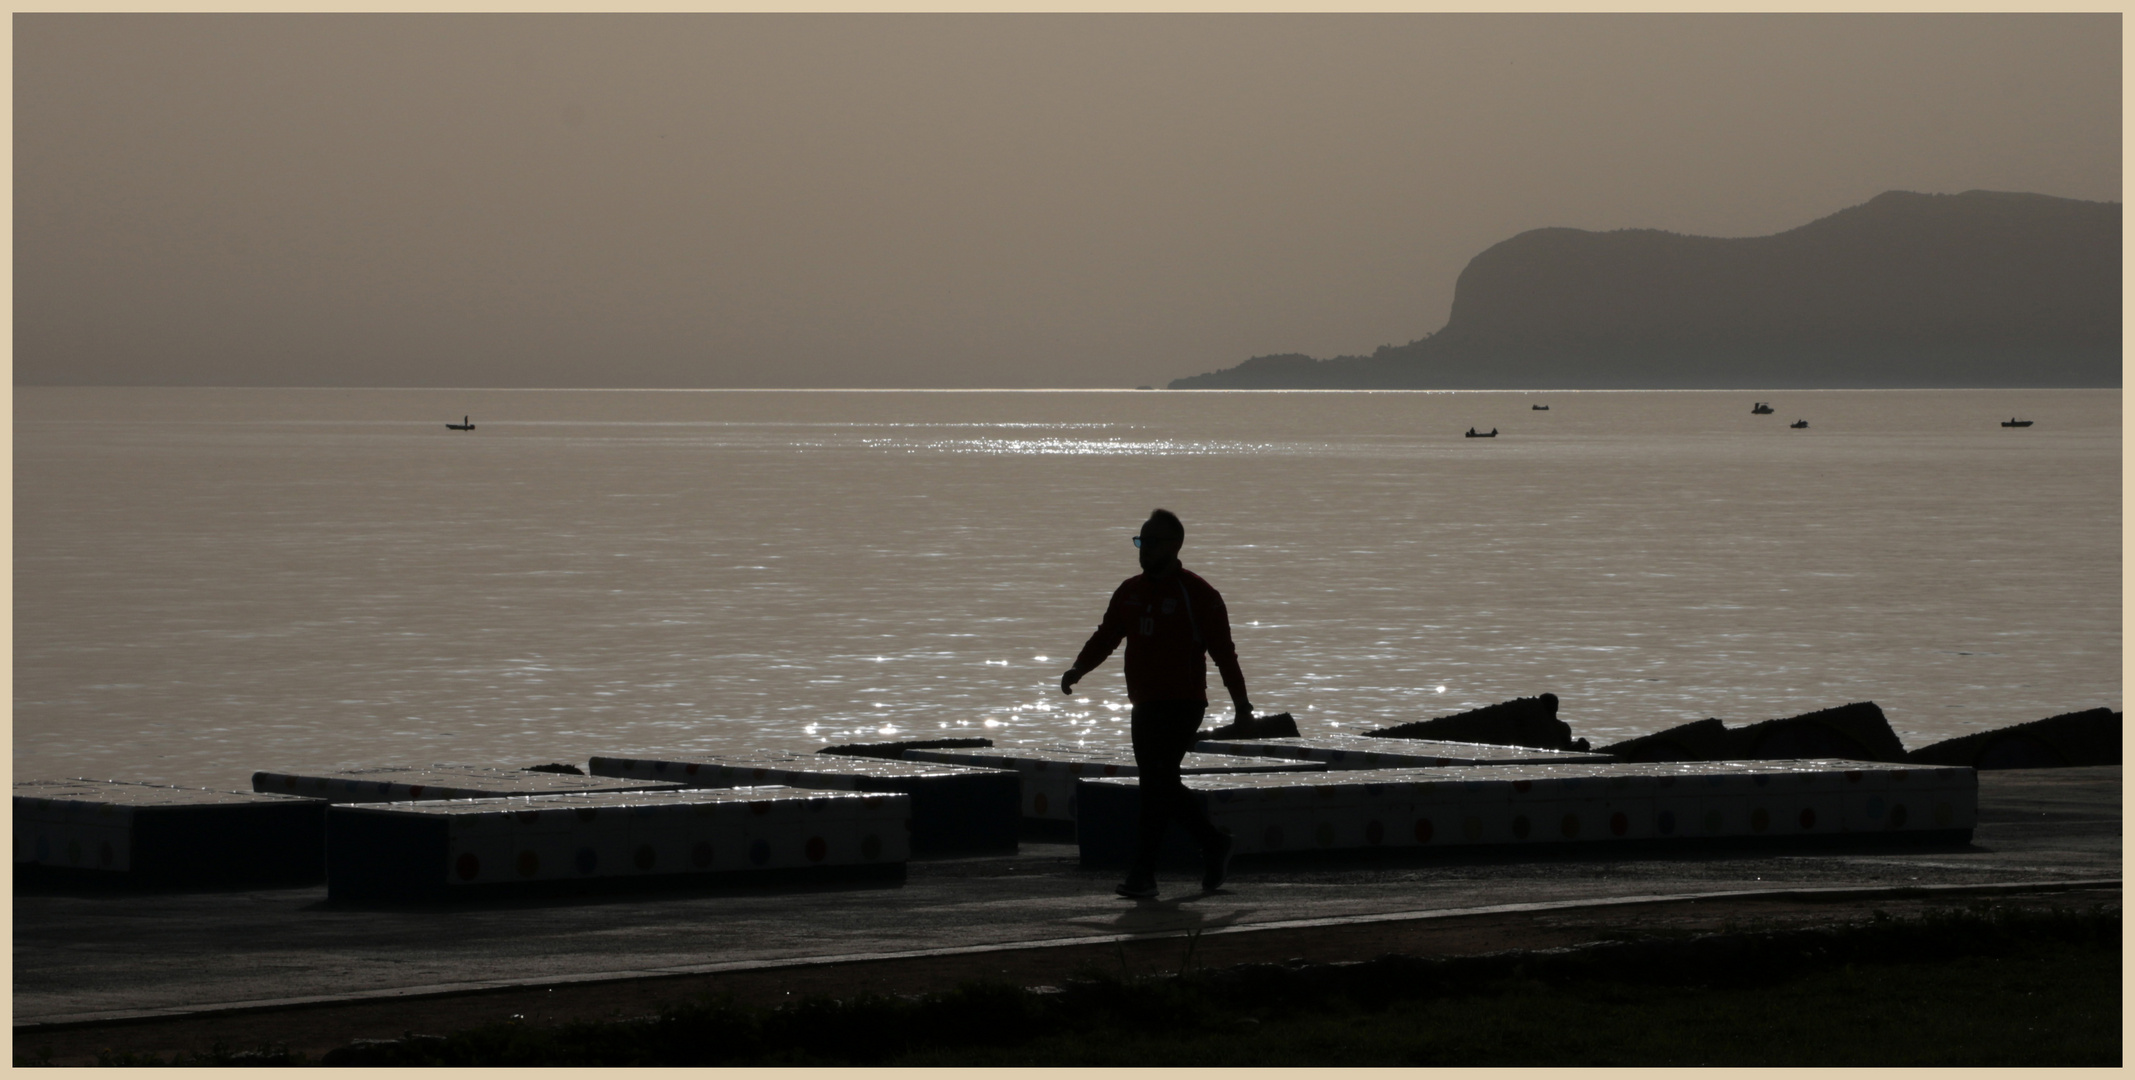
(1170,618)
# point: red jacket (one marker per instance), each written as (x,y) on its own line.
(1159,618)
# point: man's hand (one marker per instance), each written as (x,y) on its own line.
(1068,681)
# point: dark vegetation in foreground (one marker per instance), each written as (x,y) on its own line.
(1983,986)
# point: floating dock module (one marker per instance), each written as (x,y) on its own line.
(409,783)
(434,850)
(150,834)
(1366,752)
(1048,773)
(1513,805)
(954,807)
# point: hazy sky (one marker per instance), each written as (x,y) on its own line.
(886,200)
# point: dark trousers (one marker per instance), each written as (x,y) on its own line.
(1163,732)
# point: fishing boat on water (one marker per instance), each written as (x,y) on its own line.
(1474,434)
(1761,409)
(2014,422)
(1799,424)
(465,424)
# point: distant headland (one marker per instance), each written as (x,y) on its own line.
(1980,289)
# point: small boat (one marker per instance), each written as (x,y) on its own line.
(464,425)
(1474,434)
(1539,408)
(1761,409)
(1799,424)
(2014,422)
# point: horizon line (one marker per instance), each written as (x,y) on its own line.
(1043,389)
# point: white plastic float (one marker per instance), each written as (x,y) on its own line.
(1047,774)
(1368,752)
(955,808)
(408,783)
(1514,805)
(440,849)
(153,834)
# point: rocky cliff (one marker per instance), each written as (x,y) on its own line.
(1906,290)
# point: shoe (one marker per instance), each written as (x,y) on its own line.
(1136,890)
(1216,863)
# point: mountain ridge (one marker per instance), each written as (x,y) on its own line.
(1980,288)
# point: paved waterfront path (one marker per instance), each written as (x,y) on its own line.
(81,955)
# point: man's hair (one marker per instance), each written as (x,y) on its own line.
(1165,523)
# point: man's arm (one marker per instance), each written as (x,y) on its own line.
(1110,632)
(1216,636)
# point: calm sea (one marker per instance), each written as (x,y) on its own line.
(209,582)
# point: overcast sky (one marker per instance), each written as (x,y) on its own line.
(884,200)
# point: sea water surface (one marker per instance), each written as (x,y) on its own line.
(213,581)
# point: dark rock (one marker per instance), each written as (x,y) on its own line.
(1857,731)
(556,767)
(1705,740)
(895,750)
(1527,721)
(1279,726)
(2091,737)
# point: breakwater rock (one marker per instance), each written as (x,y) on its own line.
(895,750)
(1528,721)
(1703,740)
(1857,732)
(2091,737)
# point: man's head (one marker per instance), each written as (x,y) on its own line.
(1159,542)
